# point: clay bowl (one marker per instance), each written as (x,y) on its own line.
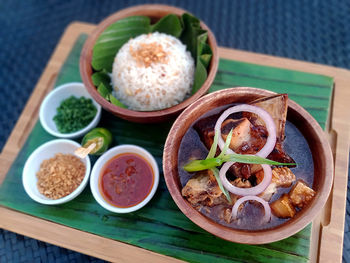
(313,133)
(155,12)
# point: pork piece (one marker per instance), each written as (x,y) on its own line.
(238,182)
(300,195)
(227,215)
(240,132)
(283,207)
(249,135)
(269,192)
(277,107)
(241,183)
(279,155)
(281,176)
(202,189)
(205,129)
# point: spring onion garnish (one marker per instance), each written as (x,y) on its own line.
(200,165)
(215,170)
(222,188)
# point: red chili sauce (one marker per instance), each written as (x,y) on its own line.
(126,180)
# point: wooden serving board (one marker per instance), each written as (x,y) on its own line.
(327,232)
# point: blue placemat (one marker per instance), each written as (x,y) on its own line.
(316,31)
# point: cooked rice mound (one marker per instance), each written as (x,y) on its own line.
(152,72)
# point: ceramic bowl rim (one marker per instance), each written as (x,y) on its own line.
(46,103)
(27,168)
(104,158)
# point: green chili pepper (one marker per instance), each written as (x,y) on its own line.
(101,137)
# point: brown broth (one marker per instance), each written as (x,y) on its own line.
(294,144)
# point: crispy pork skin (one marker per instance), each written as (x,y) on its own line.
(283,207)
(202,189)
(301,194)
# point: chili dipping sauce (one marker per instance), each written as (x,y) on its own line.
(126,180)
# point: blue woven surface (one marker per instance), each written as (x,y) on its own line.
(309,30)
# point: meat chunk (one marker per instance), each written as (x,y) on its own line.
(259,176)
(241,183)
(205,129)
(279,155)
(300,195)
(282,176)
(202,189)
(240,132)
(277,107)
(227,215)
(283,207)
(269,192)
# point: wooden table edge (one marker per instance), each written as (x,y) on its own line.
(329,226)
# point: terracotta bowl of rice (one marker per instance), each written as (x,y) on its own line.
(151,93)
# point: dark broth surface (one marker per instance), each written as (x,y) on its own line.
(295,145)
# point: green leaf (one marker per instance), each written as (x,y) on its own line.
(115,101)
(200,76)
(169,24)
(191,32)
(114,37)
(195,39)
(104,91)
(101,77)
(205,59)
(216,173)
(201,44)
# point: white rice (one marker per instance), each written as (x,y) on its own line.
(158,86)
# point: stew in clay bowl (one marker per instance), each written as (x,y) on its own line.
(248,165)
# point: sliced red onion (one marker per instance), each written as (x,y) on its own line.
(246,191)
(266,205)
(269,123)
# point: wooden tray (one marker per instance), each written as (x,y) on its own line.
(327,232)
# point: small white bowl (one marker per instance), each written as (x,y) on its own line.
(97,169)
(44,152)
(52,101)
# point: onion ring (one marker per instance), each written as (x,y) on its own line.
(269,123)
(267,208)
(246,191)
